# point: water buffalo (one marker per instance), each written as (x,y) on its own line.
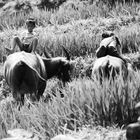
(27,73)
(109,67)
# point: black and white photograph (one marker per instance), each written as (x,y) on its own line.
(69,69)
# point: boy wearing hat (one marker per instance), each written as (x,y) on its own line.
(29,40)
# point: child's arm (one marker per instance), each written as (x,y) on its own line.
(9,50)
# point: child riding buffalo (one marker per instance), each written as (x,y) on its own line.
(28,42)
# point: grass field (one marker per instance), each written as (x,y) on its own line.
(87,106)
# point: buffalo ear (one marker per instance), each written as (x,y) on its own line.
(66,52)
(117,40)
(47,55)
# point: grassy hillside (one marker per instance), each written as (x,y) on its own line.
(78,26)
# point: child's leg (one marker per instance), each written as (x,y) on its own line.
(16,41)
(34,44)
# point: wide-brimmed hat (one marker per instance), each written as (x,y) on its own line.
(31,20)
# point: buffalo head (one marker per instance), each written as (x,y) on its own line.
(60,67)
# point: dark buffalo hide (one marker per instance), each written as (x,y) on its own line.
(28,73)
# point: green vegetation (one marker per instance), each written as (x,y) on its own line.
(78,26)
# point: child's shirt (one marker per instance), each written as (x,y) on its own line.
(110,45)
(27,37)
(109,41)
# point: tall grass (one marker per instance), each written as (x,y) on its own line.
(77,26)
(80,33)
(85,102)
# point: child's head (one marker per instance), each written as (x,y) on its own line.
(107,34)
(30,23)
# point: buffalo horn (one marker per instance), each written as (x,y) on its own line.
(66,52)
(47,55)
